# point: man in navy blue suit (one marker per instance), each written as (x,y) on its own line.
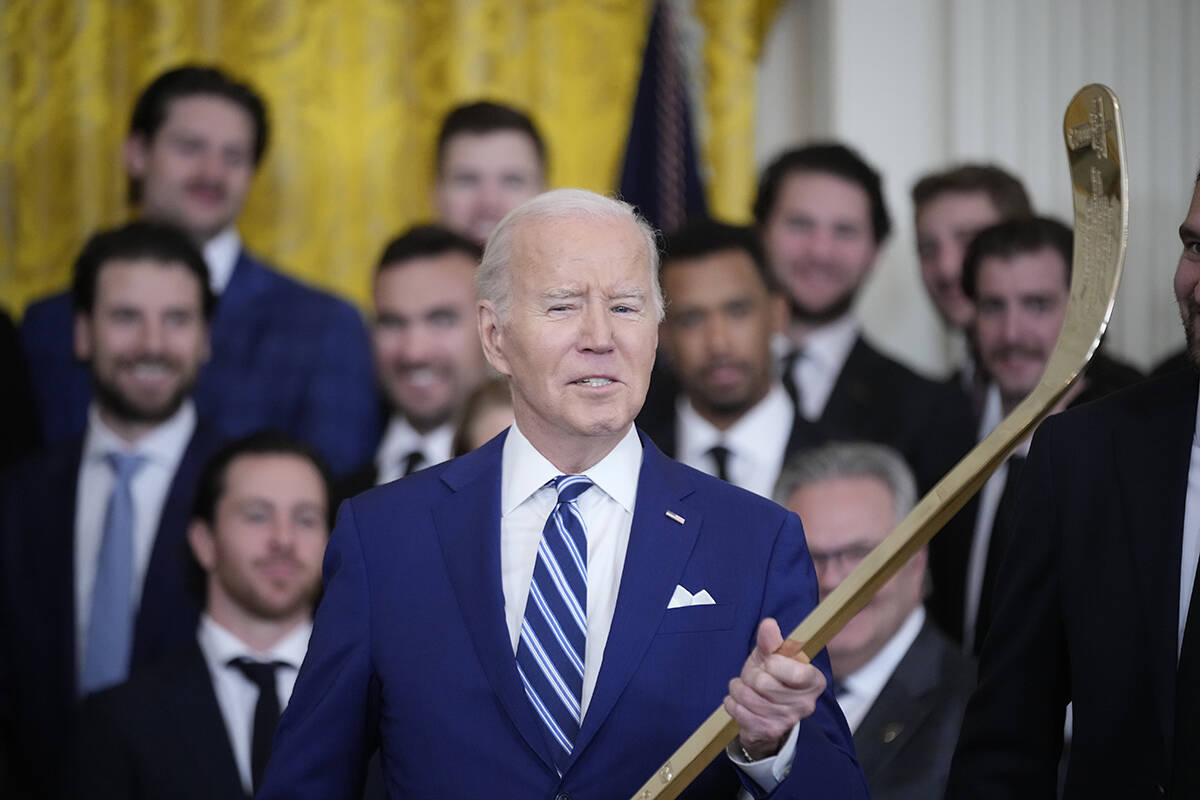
(647,581)
(92,529)
(284,355)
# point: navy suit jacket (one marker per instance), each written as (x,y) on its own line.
(1087,606)
(38,672)
(284,356)
(410,649)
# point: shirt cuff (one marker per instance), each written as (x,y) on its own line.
(768,772)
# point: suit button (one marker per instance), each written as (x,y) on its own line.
(563,796)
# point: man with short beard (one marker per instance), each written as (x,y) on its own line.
(1018,275)
(92,530)
(199,724)
(821,214)
(723,307)
(427,354)
(1097,604)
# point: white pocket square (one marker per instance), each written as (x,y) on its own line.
(682,598)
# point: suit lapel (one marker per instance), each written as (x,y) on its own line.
(209,754)
(658,550)
(1151,463)
(59,550)
(850,399)
(469,533)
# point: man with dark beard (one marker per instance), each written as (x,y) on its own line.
(723,308)
(199,723)
(92,530)
(1097,603)
(427,354)
(821,214)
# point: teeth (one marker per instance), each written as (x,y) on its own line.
(420,376)
(595,381)
(150,371)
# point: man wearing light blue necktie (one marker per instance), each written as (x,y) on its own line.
(552,614)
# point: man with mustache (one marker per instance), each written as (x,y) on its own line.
(723,308)
(427,353)
(1097,603)
(199,723)
(821,214)
(1018,275)
(92,529)
(284,355)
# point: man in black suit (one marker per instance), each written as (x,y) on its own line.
(1018,274)
(901,683)
(426,347)
(723,308)
(92,530)
(199,723)
(18,425)
(822,217)
(1096,602)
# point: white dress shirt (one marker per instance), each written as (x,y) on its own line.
(757,442)
(822,358)
(1191,533)
(985,517)
(400,439)
(221,254)
(607,510)
(237,696)
(860,690)
(163,449)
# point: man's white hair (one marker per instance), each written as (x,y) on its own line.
(493,280)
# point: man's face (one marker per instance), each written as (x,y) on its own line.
(263,553)
(819,241)
(579,339)
(1187,276)
(720,319)
(426,338)
(483,177)
(196,171)
(945,226)
(144,340)
(844,519)
(1022,302)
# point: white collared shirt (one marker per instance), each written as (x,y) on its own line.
(824,354)
(757,442)
(861,689)
(237,697)
(1191,533)
(163,449)
(221,254)
(985,516)
(401,438)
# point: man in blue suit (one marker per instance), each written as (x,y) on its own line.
(647,581)
(284,355)
(92,529)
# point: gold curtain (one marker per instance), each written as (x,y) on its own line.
(356,90)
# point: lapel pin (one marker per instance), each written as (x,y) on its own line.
(675,517)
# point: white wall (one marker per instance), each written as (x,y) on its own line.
(915,86)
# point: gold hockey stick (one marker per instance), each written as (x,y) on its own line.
(1095,143)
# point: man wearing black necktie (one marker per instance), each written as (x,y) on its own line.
(200,724)
(1095,603)
(427,354)
(1018,275)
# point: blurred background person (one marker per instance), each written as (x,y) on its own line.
(487,413)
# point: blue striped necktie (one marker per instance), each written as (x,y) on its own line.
(109,638)
(550,654)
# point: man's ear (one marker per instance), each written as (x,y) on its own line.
(83,337)
(491,337)
(136,154)
(200,538)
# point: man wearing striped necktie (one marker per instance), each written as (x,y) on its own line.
(630,587)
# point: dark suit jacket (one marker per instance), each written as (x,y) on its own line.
(284,356)
(1087,606)
(950,550)
(410,647)
(158,735)
(905,742)
(880,400)
(38,665)
(18,428)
